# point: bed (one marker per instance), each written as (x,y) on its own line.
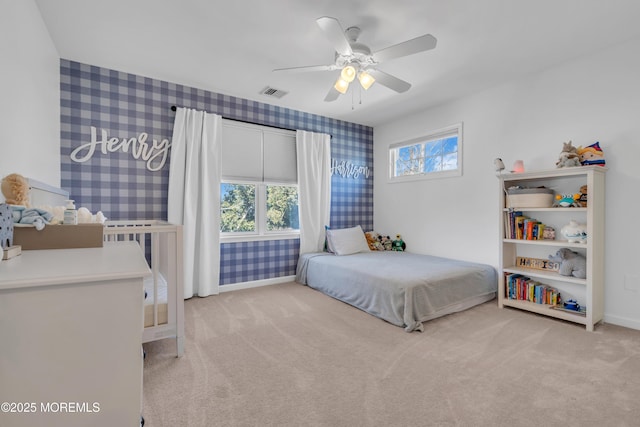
(402,288)
(161,243)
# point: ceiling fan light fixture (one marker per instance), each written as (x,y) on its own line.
(348,73)
(341,85)
(366,80)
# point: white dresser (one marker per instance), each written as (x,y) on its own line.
(70,337)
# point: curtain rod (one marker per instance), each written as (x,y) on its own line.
(174,108)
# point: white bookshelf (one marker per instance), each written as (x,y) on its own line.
(588,292)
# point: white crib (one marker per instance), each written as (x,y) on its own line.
(164,305)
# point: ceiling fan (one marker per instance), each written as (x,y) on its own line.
(356,59)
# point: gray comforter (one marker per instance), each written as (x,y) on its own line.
(402,288)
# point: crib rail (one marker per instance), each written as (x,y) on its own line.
(161,242)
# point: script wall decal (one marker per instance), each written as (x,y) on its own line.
(346,169)
(154,153)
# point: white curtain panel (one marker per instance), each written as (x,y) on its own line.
(314,188)
(194,197)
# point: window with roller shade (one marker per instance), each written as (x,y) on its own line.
(259,188)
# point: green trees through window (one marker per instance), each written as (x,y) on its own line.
(243,205)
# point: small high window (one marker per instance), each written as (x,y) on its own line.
(435,155)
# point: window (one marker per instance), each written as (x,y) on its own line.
(237,208)
(282,208)
(259,191)
(436,155)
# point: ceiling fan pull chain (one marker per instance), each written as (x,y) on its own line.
(352,96)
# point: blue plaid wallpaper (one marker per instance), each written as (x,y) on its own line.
(115,128)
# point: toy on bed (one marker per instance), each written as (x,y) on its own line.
(374,241)
(398,244)
(568,156)
(571,263)
(591,155)
(385,243)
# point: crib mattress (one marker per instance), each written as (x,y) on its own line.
(149,301)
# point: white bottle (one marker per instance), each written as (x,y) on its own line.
(70,214)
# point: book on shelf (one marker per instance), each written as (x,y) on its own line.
(523,288)
(520,227)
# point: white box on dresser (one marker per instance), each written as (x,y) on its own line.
(71,323)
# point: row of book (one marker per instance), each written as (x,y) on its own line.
(520,226)
(523,288)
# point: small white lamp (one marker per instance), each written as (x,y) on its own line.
(518,166)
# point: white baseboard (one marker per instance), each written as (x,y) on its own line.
(256,283)
(622,321)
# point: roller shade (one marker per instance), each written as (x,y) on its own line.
(258,153)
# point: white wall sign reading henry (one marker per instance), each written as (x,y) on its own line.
(154,153)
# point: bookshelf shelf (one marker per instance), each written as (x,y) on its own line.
(564,210)
(546,310)
(588,292)
(559,243)
(545,275)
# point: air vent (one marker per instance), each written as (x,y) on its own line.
(272,92)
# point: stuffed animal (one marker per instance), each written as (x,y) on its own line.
(398,244)
(373,240)
(386,242)
(571,263)
(591,155)
(567,200)
(583,196)
(568,156)
(15,189)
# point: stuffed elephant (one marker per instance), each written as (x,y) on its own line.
(571,263)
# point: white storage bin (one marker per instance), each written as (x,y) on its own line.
(540,197)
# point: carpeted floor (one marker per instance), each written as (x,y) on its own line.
(287,355)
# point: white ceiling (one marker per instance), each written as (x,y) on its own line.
(232,46)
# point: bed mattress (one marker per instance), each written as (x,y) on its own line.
(405,289)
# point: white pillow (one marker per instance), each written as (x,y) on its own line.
(347,241)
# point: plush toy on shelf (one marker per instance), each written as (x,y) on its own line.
(583,200)
(571,263)
(591,155)
(567,200)
(398,244)
(15,189)
(568,156)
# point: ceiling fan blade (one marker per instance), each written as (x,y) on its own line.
(308,68)
(332,95)
(390,81)
(419,44)
(335,34)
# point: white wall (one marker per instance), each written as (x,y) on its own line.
(595,98)
(30,88)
